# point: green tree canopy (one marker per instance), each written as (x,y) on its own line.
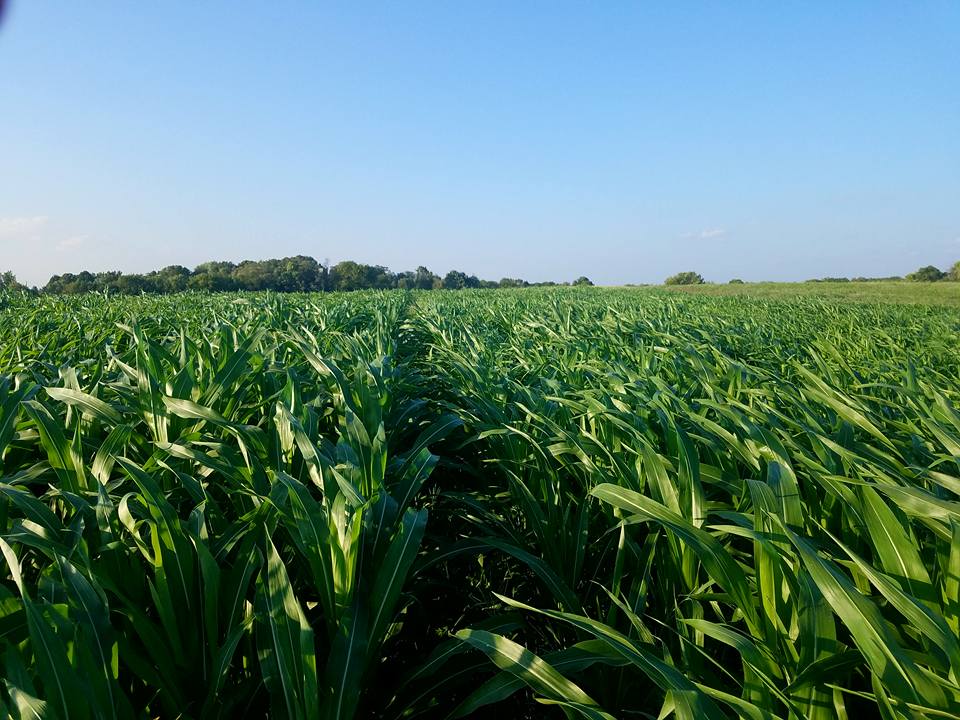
(928,273)
(685,278)
(8,281)
(454,280)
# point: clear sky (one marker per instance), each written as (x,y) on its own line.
(623,141)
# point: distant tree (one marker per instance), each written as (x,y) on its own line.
(454,280)
(107,281)
(324,275)
(171,279)
(83,282)
(582,280)
(928,273)
(405,280)
(255,275)
(290,274)
(736,281)
(55,285)
(379,276)
(685,278)
(419,279)
(347,275)
(954,273)
(216,276)
(132,285)
(8,281)
(215,267)
(424,279)
(299,273)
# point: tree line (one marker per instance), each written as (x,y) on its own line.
(302,273)
(291,274)
(928,273)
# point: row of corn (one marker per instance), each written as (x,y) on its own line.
(563,503)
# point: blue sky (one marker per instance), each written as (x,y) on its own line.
(624,141)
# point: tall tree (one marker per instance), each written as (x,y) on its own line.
(454,280)
(928,273)
(8,281)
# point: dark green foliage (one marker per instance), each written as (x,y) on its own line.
(456,280)
(685,278)
(8,281)
(286,275)
(928,273)
(225,507)
(758,511)
(523,504)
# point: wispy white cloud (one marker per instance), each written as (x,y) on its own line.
(707,234)
(72,242)
(21,226)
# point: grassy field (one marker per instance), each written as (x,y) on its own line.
(901,291)
(535,503)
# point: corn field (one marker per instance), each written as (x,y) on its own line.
(578,503)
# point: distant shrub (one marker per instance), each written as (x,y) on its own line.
(8,281)
(583,280)
(954,273)
(685,278)
(928,273)
(736,281)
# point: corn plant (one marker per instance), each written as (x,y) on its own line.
(534,503)
(735,508)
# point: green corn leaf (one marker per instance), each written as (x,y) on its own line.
(690,701)
(718,563)
(88,404)
(534,671)
(288,660)
(393,572)
(872,634)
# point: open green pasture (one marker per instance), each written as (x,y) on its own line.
(579,503)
